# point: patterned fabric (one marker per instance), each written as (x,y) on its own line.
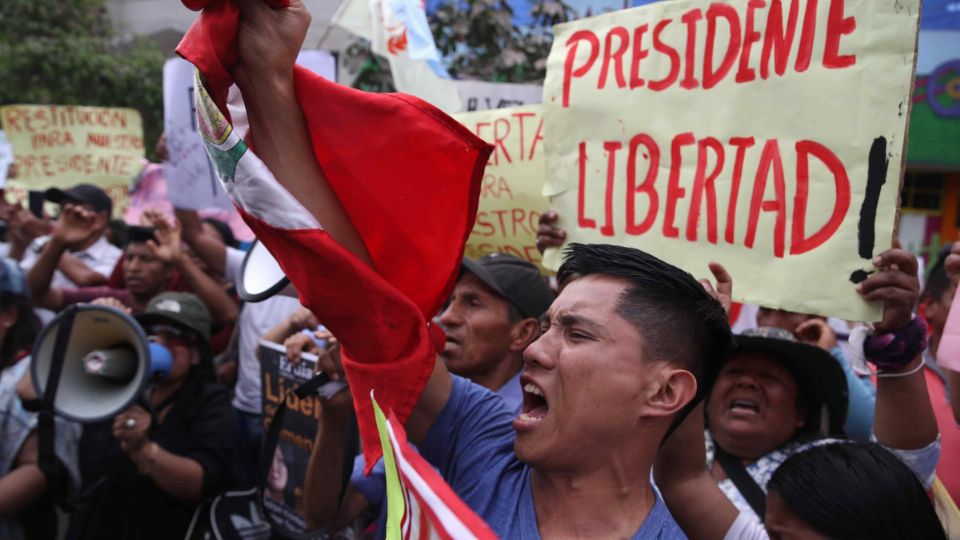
(922,462)
(760,470)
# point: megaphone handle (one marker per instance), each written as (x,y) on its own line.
(46,445)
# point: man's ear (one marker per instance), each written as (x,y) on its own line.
(675,389)
(523,333)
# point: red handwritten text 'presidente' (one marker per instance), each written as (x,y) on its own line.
(788,31)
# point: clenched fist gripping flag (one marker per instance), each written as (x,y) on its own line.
(407,175)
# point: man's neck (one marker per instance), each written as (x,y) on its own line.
(501,373)
(610,502)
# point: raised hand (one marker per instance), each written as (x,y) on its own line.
(548,234)
(818,333)
(896,284)
(269,40)
(724,289)
(167,244)
(75,225)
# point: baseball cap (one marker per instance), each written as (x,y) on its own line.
(820,379)
(82,194)
(182,309)
(12,280)
(514,279)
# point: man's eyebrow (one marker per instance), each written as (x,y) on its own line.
(568,319)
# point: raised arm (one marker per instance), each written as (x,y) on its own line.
(79,272)
(693,497)
(211,250)
(167,247)
(73,226)
(268,42)
(904,418)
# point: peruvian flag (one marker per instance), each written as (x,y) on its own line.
(420,505)
(407,175)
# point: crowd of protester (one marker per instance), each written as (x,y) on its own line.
(612,401)
(792,436)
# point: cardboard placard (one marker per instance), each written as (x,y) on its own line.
(65,145)
(511,199)
(765,136)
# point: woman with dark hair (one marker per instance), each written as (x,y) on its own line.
(25,509)
(871,495)
(753,404)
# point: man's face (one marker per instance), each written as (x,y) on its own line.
(143,273)
(478,328)
(182,346)
(753,407)
(589,365)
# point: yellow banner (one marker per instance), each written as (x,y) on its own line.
(768,136)
(65,145)
(511,199)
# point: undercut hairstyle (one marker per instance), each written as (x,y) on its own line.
(937,280)
(857,491)
(679,321)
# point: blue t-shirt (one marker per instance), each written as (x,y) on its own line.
(471,444)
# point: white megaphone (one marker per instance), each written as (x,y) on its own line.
(99,359)
(261,276)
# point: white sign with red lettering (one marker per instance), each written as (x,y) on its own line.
(765,135)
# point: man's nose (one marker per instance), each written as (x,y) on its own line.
(450,317)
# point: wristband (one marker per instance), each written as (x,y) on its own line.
(895,350)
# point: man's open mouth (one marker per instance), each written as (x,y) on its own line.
(535,406)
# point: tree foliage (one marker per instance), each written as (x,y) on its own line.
(478,40)
(67,52)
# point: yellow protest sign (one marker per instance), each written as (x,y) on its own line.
(64,145)
(511,199)
(768,136)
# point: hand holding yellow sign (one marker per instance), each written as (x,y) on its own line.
(766,136)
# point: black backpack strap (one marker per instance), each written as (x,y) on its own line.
(47,460)
(745,483)
(272,439)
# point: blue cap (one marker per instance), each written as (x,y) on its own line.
(12,279)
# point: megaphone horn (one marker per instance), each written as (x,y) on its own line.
(261,276)
(104,362)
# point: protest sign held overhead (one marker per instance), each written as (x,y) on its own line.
(65,145)
(766,136)
(191,178)
(511,198)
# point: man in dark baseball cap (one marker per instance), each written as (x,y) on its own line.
(492,315)
(82,194)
